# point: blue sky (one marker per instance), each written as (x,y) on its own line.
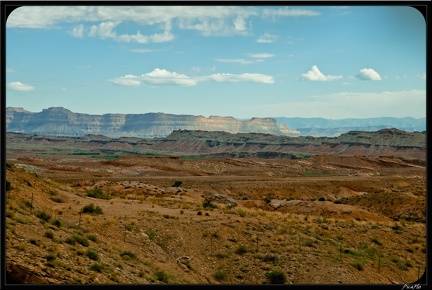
(242,61)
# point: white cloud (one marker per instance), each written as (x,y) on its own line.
(261,55)
(238,60)
(236,78)
(315,75)
(164,77)
(127,80)
(209,21)
(288,12)
(9,70)
(410,103)
(18,86)
(423,76)
(368,74)
(267,38)
(78,31)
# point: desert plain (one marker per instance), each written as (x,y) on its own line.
(91,216)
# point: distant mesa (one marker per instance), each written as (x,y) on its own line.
(59,121)
(63,122)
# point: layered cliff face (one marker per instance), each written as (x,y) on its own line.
(60,121)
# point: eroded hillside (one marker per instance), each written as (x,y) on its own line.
(165,219)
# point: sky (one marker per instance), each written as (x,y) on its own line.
(243,61)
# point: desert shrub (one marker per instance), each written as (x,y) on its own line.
(92,255)
(376,242)
(97,267)
(35,242)
(90,208)
(127,255)
(98,193)
(267,199)
(50,257)
(43,216)
(92,238)
(208,203)
(358,265)
(276,277)
(322,198)
(152,235)
(10,213)
(77,239)
(57,223)
(162,276)
(177,183)
(129,227)
(242,249)
(220,275)
(49,234)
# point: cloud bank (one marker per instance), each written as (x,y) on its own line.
(162,77)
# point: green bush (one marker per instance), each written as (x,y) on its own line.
(241,250)
(90,208)
(267,199)
(127,255)
(97,267)
(98,193)
(92,238)
(57,223)
(92,255)
(77,239)
(276,277)
(162,276)
(50,257)
(43,216)
(49,234)
(152,235)
(220,275)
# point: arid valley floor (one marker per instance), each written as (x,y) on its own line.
(139,219)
